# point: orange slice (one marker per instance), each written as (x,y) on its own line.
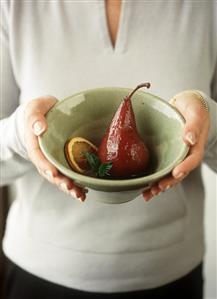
(75,150)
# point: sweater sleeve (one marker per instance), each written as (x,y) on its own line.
(210,157)
(13,156)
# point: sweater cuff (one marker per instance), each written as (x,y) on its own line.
(212,137)
(12,128)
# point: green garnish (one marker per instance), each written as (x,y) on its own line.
(99,169)
(93,161)
(104,169)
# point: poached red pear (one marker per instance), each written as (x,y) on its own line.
(121,145)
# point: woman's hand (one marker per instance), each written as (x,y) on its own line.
(189,104)
(36,125)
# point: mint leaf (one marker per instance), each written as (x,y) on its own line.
(99,169)
(93,161)
(104,169)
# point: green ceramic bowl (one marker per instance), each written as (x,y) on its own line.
(88,113)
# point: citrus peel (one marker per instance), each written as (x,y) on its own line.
(75,150)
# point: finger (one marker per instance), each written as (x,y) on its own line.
(75,192)
(37,157)
(63,183)
(68,186)
(166,183)
(78,194)
(147,195)
(153,191)
(192,161)
(169,181)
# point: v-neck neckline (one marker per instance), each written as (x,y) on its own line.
(122,32)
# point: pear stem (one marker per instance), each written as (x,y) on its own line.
(147,85)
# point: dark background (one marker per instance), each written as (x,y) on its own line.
(4,204)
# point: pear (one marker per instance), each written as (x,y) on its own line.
(121,144)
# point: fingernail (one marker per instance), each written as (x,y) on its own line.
(75,195)
(81,196)
(48,173)
(64,187)
(147,197)
(179,175)
(191,138)
(167,187)
(41,172)
(161,188)
(38,128)
(154,192)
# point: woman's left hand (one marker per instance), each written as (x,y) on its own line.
(196,130)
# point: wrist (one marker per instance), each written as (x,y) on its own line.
(193,95)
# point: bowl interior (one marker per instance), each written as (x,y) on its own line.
(88,114)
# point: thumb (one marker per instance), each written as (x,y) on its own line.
(38,124)
(36,111)
(193,112)
(193,126)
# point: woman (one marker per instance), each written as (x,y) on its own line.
(61,248)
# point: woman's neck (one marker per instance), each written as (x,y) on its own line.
(113,11)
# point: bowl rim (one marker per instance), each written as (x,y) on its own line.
(98,182)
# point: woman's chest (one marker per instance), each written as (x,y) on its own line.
(63,48)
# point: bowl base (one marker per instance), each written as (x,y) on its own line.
(115,197)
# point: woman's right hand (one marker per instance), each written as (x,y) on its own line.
(36,125)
